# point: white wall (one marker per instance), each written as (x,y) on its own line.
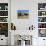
(3,1)
(23,24)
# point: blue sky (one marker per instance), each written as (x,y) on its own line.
(23,11)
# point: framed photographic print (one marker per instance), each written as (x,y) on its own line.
(22,14)
(41,6)
(3,19)
(4,29)
(41,19)
(41,25)
(42,32)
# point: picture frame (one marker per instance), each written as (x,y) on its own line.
(22,14)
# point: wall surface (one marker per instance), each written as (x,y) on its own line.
(3,1)
(23,24)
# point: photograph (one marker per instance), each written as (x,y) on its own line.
(22,14)
(41,13)
(3,19)
(3,6)
(3,13)
(41,19)
(42,32)
(4,29)
(41,25)
(41,6)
